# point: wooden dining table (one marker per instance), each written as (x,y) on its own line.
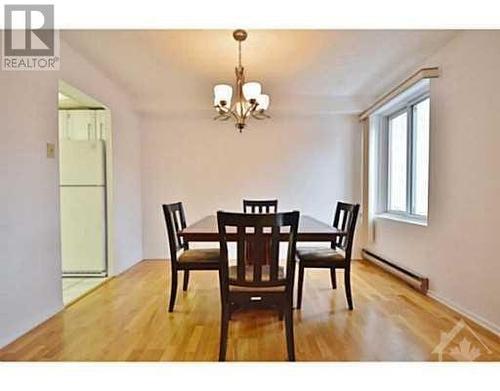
(310,230)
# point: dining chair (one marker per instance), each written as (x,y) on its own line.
(338,256)
(255,283)
(189,259)
(260,206)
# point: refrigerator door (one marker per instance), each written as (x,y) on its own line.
(81,125)
(82,162)
(83,229)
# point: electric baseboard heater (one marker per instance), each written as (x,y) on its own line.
(412,278)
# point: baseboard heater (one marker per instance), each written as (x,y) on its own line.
(412,278)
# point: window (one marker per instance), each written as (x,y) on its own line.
(405,130)
(397,158)
(421,157)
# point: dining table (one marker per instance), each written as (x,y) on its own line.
(309,230)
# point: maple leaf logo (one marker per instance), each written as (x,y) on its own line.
(465,351)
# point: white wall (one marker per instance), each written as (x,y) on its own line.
(457,250)
(308,163)
(30,276)
(30,287)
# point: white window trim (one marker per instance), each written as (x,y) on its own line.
(403,102)
(403,218)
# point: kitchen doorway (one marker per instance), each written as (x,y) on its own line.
(84,177)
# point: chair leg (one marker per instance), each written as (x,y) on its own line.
(347,283)
(300,286)
(290,344)
(186,280)
(173,290)
(224,326)
(333,278)
(280,314)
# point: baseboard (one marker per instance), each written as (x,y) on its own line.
(156,260)
(491,327)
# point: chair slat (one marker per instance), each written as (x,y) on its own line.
(260,206)
(240,253)
(274,253)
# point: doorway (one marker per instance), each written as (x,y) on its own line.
(84,171)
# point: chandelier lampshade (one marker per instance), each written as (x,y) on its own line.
(249,100)
(223,94)
(263,101)
(251,90)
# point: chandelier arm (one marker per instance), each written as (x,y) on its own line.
(249,110)
(223,113)
(235,115)
(220,109)
(260,116)
(238,117)
(222,117)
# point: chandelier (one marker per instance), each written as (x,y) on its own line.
(249,101)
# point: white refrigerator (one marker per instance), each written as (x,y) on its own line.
(83,206)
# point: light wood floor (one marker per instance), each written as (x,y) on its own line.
(126,319)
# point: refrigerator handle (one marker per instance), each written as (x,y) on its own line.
(100,130)
(88,131)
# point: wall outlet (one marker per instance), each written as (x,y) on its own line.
(51,151)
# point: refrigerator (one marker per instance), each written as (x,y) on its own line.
(83,206)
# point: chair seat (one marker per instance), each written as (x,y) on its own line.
(249,277)
(319,255)
(205,255)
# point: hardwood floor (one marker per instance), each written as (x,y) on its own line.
(127,319)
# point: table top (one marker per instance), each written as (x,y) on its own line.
(310,230)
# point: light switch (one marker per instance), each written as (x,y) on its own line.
(51,151)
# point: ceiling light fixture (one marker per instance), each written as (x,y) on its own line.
(249,101)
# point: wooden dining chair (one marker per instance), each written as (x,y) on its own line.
(196,259)
(260,206)
(338,256)
(253,283)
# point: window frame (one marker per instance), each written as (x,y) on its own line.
(408,108)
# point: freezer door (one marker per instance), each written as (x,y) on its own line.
(81,125)
(83,229)
(82,162)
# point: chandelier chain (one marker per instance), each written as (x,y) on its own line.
(239,53)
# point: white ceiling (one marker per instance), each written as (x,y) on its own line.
(173,71)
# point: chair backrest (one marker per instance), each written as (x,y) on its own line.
(345,220)
(260,206)
(175,221)
(262,232)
